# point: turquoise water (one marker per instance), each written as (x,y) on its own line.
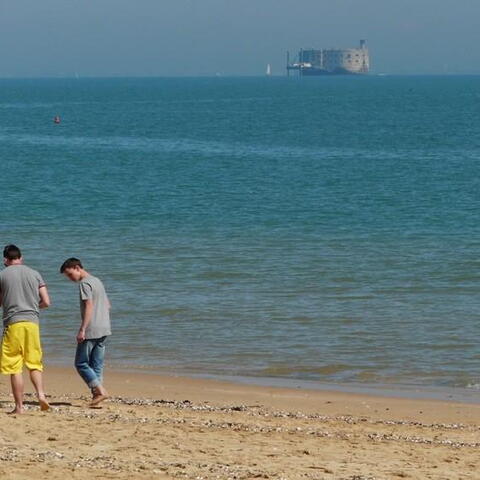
(320,229)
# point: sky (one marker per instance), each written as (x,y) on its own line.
(41,38)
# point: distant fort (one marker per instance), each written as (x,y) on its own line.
(345,61)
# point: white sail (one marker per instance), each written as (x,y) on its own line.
(269,70)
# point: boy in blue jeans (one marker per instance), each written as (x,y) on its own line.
(94,329)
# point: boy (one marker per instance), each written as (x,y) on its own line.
(22,294)
(94,329)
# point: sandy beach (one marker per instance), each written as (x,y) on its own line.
(175,427)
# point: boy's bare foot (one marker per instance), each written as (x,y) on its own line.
(99,395)
(97,399)
(44,405)
(16,411)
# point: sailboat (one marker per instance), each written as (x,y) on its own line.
(269,70)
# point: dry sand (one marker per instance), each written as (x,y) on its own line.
(173,427)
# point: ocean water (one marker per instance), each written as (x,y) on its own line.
(323,229)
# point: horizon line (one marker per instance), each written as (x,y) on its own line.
(120,76)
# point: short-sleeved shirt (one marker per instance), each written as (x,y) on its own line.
(91,288)
(19,287)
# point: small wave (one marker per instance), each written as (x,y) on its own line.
(159,145)
(195,147)
(473,386)
(288,370)
(222,275)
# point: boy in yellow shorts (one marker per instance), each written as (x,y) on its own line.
(22,294)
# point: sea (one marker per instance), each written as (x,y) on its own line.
(294,231)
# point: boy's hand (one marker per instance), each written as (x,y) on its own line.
(80,336)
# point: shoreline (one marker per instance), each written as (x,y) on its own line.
(405,391)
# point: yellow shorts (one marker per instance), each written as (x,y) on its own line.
(21,345)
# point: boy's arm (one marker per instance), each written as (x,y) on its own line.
(87,318)
(44,297)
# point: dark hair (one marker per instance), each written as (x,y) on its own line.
(70,263)
(12,252)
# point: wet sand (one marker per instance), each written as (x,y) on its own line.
(166,427)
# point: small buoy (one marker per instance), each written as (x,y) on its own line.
(56,119)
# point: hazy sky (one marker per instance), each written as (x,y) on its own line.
(233,37)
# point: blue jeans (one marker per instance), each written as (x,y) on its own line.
(89,361)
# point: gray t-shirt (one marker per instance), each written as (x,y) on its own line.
(19,287)
(91,288)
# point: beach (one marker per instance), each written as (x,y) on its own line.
(275,259)
(167,427)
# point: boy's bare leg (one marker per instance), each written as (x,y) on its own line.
(99,395)
(17,389)
(37,381)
